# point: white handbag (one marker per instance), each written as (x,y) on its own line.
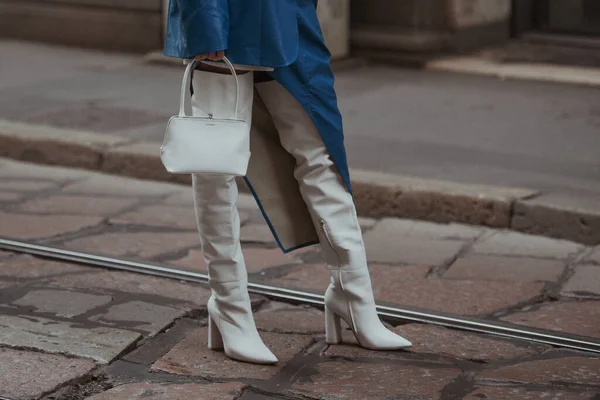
(207,144)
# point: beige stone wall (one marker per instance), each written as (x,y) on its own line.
(467,13)
(335,23)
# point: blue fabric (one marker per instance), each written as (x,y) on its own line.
(253,32)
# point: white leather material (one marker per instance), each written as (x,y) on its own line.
(350,295)
(216,139)
(231,322)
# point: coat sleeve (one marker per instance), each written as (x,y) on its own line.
(204,25)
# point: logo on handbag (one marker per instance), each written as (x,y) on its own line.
(205,144)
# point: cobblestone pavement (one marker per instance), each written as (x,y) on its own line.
(73,332)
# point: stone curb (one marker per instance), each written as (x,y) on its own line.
(377,194)
(525,71)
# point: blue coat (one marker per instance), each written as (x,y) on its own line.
(283,34)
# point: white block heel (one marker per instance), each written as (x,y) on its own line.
(215,340)
(333,327)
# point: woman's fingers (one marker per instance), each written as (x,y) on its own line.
(216,56)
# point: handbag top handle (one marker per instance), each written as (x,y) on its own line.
(186,84)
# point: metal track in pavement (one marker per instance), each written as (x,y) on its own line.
(391,314)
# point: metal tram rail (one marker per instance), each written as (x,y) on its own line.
(391,314)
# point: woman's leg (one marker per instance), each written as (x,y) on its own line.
(349,296)
(231,324)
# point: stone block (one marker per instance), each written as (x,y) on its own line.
(566,216)
(28,375)
(584,283)
(100,344)
(363,380)
(576,317)
(76,205)
(156,391)
(567,370)
(140,160)
(385,195)
(520,269)
(140,315)
(192,357)
(45,145)
(61,302)
(507,243)
(24,226)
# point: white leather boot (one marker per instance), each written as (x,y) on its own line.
(231,324)
(350,295)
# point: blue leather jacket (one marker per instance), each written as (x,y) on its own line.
(252,32)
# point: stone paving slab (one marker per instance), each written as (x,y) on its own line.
(137,284)
(23,226)
(464,345)
(26,186)
(164,216)
(505,243)
(408,286)
(576,317)
(585,282)
(347,380)
(520,269)
(7,196)
(27,375)
(100,344)
(439,341)
(512,393)
(140,315)
(386,280)
(192,357)
(28,267)
(76,205)
(110,185)
(155,391)
(385,248)
(285,318)
(61,302)
(145,245)
(567,370)
(24,170)
(402,228)
(257,260)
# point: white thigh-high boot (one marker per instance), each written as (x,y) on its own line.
(350,295)
(231,324)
